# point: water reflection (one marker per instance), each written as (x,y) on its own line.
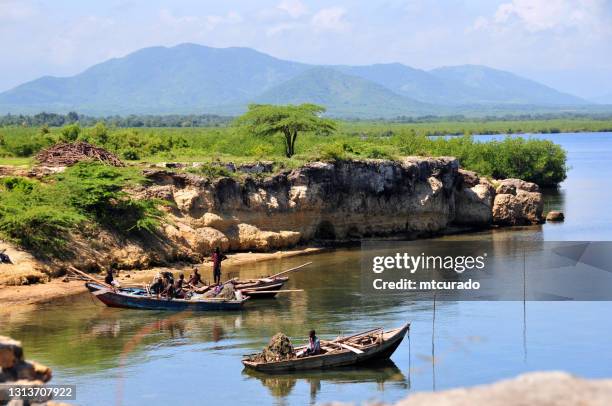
(382,373)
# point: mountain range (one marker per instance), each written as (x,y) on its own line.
(190,78)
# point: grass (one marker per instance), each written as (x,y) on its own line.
(15,161)
(535,160)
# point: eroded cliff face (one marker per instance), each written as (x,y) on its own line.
(341,200)
(333,201)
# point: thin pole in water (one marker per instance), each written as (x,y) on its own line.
(524,307)
(433,346)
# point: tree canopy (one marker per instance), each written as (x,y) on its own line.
(289,120)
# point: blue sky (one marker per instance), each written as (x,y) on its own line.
(563,43)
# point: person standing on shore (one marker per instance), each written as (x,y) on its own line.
(109,279)
(217,258)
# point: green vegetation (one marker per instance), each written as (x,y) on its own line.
(266,120)
(39,215)
(535,160)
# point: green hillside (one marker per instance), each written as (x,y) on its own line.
(195,79)
(343,94)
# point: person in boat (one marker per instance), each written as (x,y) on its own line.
(196,278)
(157,287)
(109,279)
(314,345)
(217,258)
(168,286)
(179,287)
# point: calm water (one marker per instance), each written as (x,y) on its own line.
(134,357)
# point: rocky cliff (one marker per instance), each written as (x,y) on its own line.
(321,201)
(343,200)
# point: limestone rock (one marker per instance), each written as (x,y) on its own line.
(186,199)
(32,371)
(520,209)
(555,216)
(215,221)
(469,178)
(535,389)
(506,186)
(11,352)
(248,237)
(474,205)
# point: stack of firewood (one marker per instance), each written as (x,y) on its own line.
(67,154)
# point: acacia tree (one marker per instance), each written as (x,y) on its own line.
(289,120)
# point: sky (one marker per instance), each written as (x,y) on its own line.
(566,44)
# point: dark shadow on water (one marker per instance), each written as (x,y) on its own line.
(380,372)
(554,199)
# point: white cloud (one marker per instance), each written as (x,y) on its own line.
(330,19)
(543,15)
(295,8)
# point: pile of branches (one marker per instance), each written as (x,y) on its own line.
(279,348)
(67,154)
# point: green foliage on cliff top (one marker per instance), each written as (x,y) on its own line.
(535,160)
(39,215)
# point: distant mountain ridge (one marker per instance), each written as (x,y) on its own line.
(190,78)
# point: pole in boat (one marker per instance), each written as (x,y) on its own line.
(91,278)
(290,270)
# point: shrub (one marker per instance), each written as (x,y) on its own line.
(131,154)
(70,133)
(39,215)
(334,151)
(34,217)
(212,171)
(98,190)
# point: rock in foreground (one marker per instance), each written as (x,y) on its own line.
(14,369)
(533,389)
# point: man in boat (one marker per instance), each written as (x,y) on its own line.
(314,345)
(168,283)
(195,279)
(157,286)
(179,285)
(217,257)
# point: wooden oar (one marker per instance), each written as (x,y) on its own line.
(290,270)
(78,272)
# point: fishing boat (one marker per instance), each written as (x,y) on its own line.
(138,298)
(266,287)
(261,288)
(360,348)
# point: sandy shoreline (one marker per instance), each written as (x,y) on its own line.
(28,296)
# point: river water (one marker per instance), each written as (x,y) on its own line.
(131,357)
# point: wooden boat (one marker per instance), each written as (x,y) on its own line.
(262,287)
(137,298)
(265,287)
(368,346)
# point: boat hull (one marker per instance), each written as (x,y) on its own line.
(130,301)
(265,290)
(333,360)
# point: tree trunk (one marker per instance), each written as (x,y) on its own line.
(288,148)
(290,143)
